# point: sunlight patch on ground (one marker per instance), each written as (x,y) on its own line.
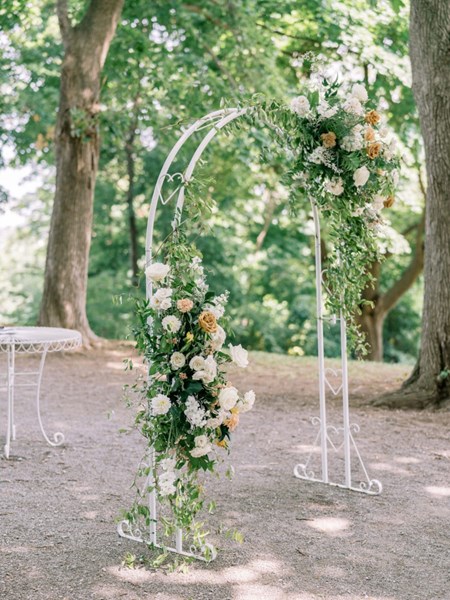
(305,448)
(331,525)
(266,592)
(133,576)
(230,575)
(407,460)
(438,491)
(117,366)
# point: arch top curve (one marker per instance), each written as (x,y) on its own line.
(214,122)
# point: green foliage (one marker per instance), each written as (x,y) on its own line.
(169,63)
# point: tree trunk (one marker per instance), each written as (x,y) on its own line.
(77,151)
(430,61)
(132,225)
(371,323)
(130,162)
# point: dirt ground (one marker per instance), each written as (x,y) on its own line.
(303,540)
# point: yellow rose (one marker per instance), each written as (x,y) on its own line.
(328,139)
(369,134)
(207,322)
(232,422)
(390,200)
(372,117)
(373,150)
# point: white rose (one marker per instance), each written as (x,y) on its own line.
(360,92)
(171,323)
(211,365)
(164,293)
(215,422)
(218,338)
(318,155)
(160,404)
(157,271)
(166,483)
(384,132)
(168,464)
(228,397)
(202,446)
(197,363)
(326,111)
(177,360)
(353,106)
(336,186)
(160,303)
(300,105)
(378,202)
(361,176)
(205,376)
(239,355)
(247,403)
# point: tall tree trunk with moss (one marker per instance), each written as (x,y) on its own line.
(86,46)
(430,61)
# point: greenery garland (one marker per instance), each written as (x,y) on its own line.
(343,158)
(188,409)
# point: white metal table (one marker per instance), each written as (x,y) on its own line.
(31,340)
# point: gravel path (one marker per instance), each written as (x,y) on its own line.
(303,541)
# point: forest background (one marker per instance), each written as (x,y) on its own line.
(168,64)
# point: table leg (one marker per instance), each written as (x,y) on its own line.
(10,429)
(58,438)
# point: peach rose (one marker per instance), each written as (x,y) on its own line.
(207,322)
(232,422)
(373,150)
(328,139)
(369,134)
(390,200)
(185,305)
(372,117)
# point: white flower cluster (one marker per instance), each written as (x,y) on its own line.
(355,140)
(167,479)
(195,414)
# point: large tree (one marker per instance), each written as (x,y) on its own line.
(86,46)
(430,61)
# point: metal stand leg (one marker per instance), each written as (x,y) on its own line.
(10,428)
(58,437)
(345,407)
(344,433)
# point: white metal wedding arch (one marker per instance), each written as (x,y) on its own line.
(329,438)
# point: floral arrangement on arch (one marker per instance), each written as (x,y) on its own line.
(189,409)
(343,157)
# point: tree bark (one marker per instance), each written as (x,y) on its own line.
(373,315)
(132,224)
(430,60)
(77,152)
